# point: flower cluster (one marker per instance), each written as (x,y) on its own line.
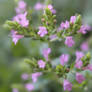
(29,86)
(51,8)
(21,19)
(69,41)
(78,65)
(84,29)
(64,59)
(15,36)
(42,31)
(48,31)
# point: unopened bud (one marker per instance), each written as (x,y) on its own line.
(47,23)
(78,21)
(43,20)
(88,55)
(55,21)
(67,70)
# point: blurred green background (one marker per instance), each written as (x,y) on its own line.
(11,57)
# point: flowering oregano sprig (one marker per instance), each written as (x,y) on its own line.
(21,26)
(68,29)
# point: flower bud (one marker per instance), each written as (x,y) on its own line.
(88,56)
(55,21)
(43,20)
(67,70)
(78,20)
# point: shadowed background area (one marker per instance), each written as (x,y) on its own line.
(11,56)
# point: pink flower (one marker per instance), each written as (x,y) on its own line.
(73,19)
(42,31)
(35,76)
(79,64)
(46,52)
(64,59)
(65,25)
(41,64)
(24,76)
(15,36)
(84,46)
(50,6)
(21,7)
(84,29)
(21,19)
(52,37)
(89,67)
(22,4)
(67,85)
(80,78)
(69,41)
(79,55)
(51,9)
(39,6)
(62,26)
(29,87)
(88,28)
(15,90)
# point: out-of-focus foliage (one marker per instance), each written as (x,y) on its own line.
(11,56)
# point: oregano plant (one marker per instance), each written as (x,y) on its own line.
(48,31)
